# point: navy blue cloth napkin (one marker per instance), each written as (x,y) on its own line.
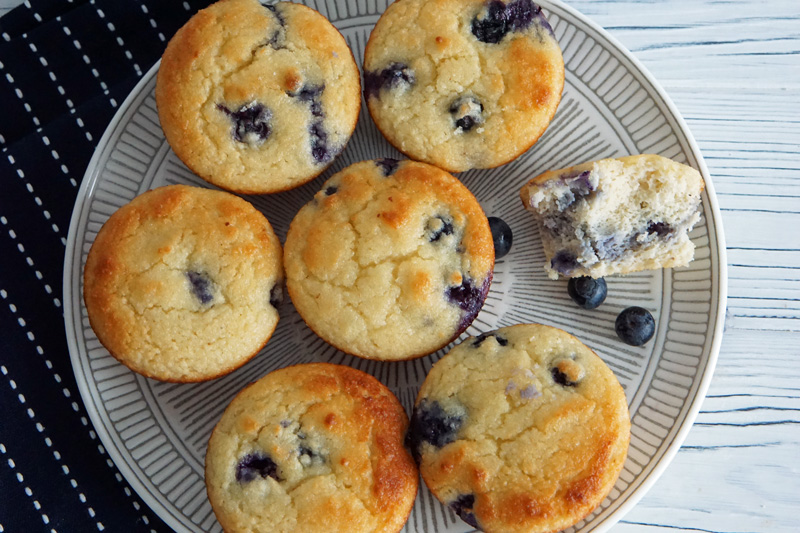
(65,68)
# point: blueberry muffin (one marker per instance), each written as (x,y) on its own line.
(463,84)
(391,260)
(182,283)
(523,429)
(615,216)
(312,448)
(258,98)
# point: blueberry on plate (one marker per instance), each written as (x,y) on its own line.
(501,235)
(635,326)
(587,292)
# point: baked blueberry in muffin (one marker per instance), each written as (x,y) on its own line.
(391,259)
(258,98)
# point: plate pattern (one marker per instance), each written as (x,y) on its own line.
(157,432)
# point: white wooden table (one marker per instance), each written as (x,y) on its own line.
(733,70)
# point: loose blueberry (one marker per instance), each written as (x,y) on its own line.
(502,341)
(587,292)
(251,122)
(387,165)
(276,295)
(500,18)
(257,464)
(438,226)
(561,378)
(564,262)
(501,235)
(467,113)
(662,229)
(635,326)
(202,286)
(432,424)
(463,506)
(394,76)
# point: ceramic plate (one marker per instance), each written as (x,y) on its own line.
(157,432)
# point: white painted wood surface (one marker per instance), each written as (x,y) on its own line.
(733,70)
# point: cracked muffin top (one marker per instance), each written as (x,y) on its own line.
(182,283)
(316,447)
(463,84)
(255,98)
(391,260)
(521,429)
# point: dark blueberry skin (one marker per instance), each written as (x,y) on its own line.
(437,230)
(662,229)
(276,41)
(387,165)
(635,326)
(463,507)
(464,295)
(502,341)
(311,95)
(319,143)
(469,298)
(561,378)
(467,112)
(430,423)
(276,295)
(502,237)
(306,451)
(201,286)
(248,121)
(331,191)
(500,19)
(253,465)
(392,77)
(564,262)
(587,292)
(312,457)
